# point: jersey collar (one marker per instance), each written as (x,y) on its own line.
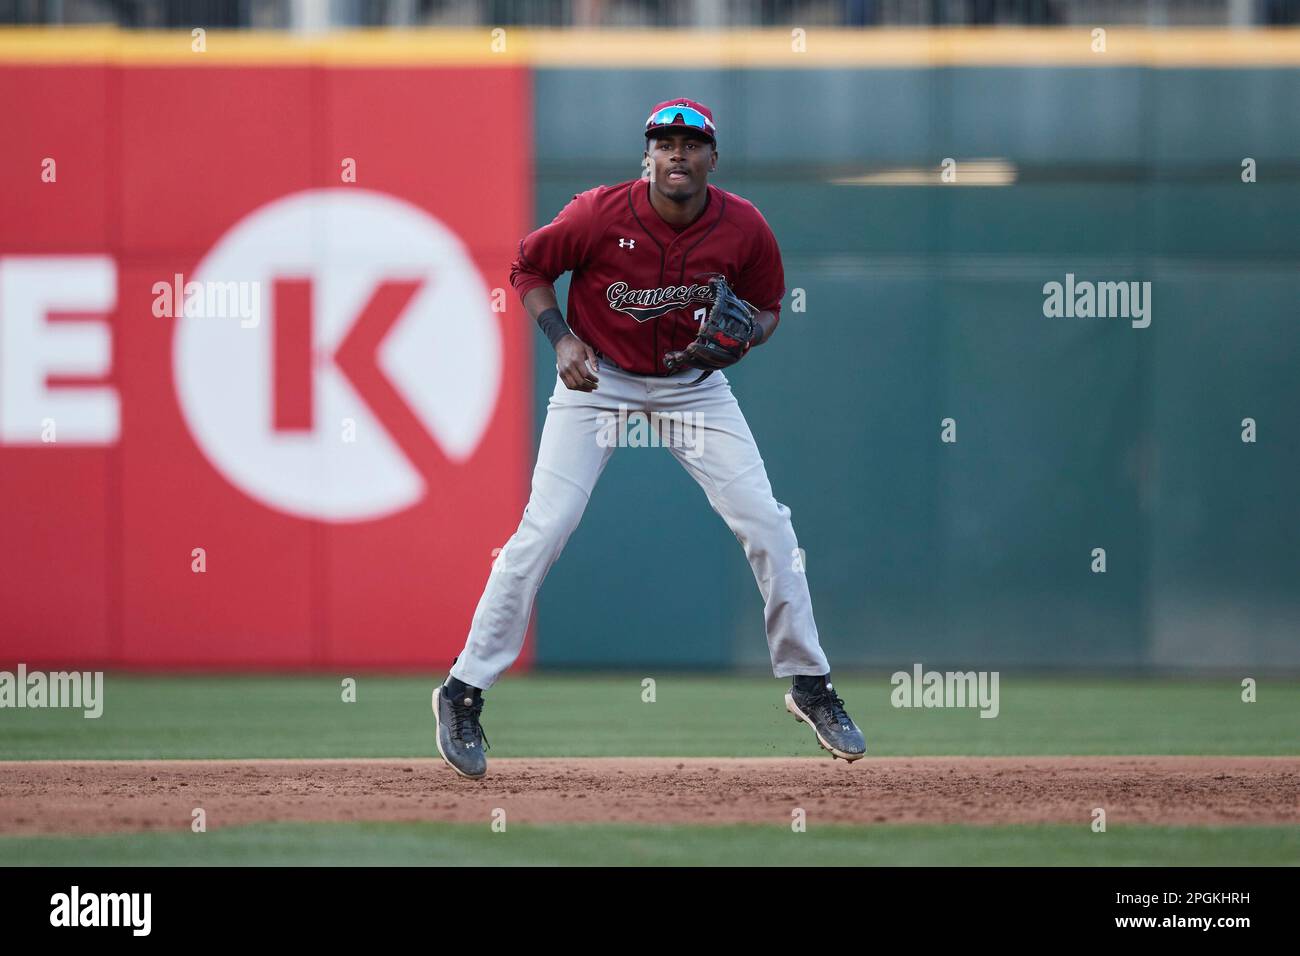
(662,233)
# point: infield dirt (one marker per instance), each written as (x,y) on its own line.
(46,797)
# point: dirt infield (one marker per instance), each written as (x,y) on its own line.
(115,796)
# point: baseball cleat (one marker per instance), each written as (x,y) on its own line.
(459,734)
(822,710)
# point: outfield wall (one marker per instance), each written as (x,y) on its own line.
(924,301)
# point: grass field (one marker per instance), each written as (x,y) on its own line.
(602,716)
(433,844)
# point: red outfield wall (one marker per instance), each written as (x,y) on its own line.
(335,411)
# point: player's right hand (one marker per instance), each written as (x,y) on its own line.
(575,360)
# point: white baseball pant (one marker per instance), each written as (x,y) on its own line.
(705,430)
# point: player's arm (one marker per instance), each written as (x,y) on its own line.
(544,255)
(575,360)
(767,323)
(762,282)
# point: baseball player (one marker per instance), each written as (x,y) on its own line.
(673,280)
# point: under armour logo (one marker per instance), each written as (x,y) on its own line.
(627,243)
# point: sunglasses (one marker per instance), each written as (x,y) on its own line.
(691,117)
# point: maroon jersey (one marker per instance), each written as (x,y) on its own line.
(640,286)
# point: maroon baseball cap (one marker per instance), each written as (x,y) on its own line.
(682,114)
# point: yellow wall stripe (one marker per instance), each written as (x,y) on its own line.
(775,48)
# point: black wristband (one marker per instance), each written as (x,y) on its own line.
(552,323)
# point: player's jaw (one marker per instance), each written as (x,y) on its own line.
(681,168)
(679,181)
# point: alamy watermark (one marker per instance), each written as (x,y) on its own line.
(1102,300)
(209,300)
(636,429)
(75,908)
(947,689)
(83,690)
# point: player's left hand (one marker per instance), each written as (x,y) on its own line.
(725,335)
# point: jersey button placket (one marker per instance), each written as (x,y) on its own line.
(674,261)
(672,268)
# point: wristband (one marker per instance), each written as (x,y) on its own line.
(552,323)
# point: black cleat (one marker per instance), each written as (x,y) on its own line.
(822,709)
(459,734)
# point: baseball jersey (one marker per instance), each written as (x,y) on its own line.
(640,286)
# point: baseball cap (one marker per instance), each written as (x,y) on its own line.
(682,114)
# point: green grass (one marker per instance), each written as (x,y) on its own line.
(196,717)
(432,844)
(603,715)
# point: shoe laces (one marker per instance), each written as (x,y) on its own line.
(465,725)
(834,705)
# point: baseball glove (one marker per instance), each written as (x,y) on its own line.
(725,335)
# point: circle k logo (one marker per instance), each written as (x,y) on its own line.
(374,359)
